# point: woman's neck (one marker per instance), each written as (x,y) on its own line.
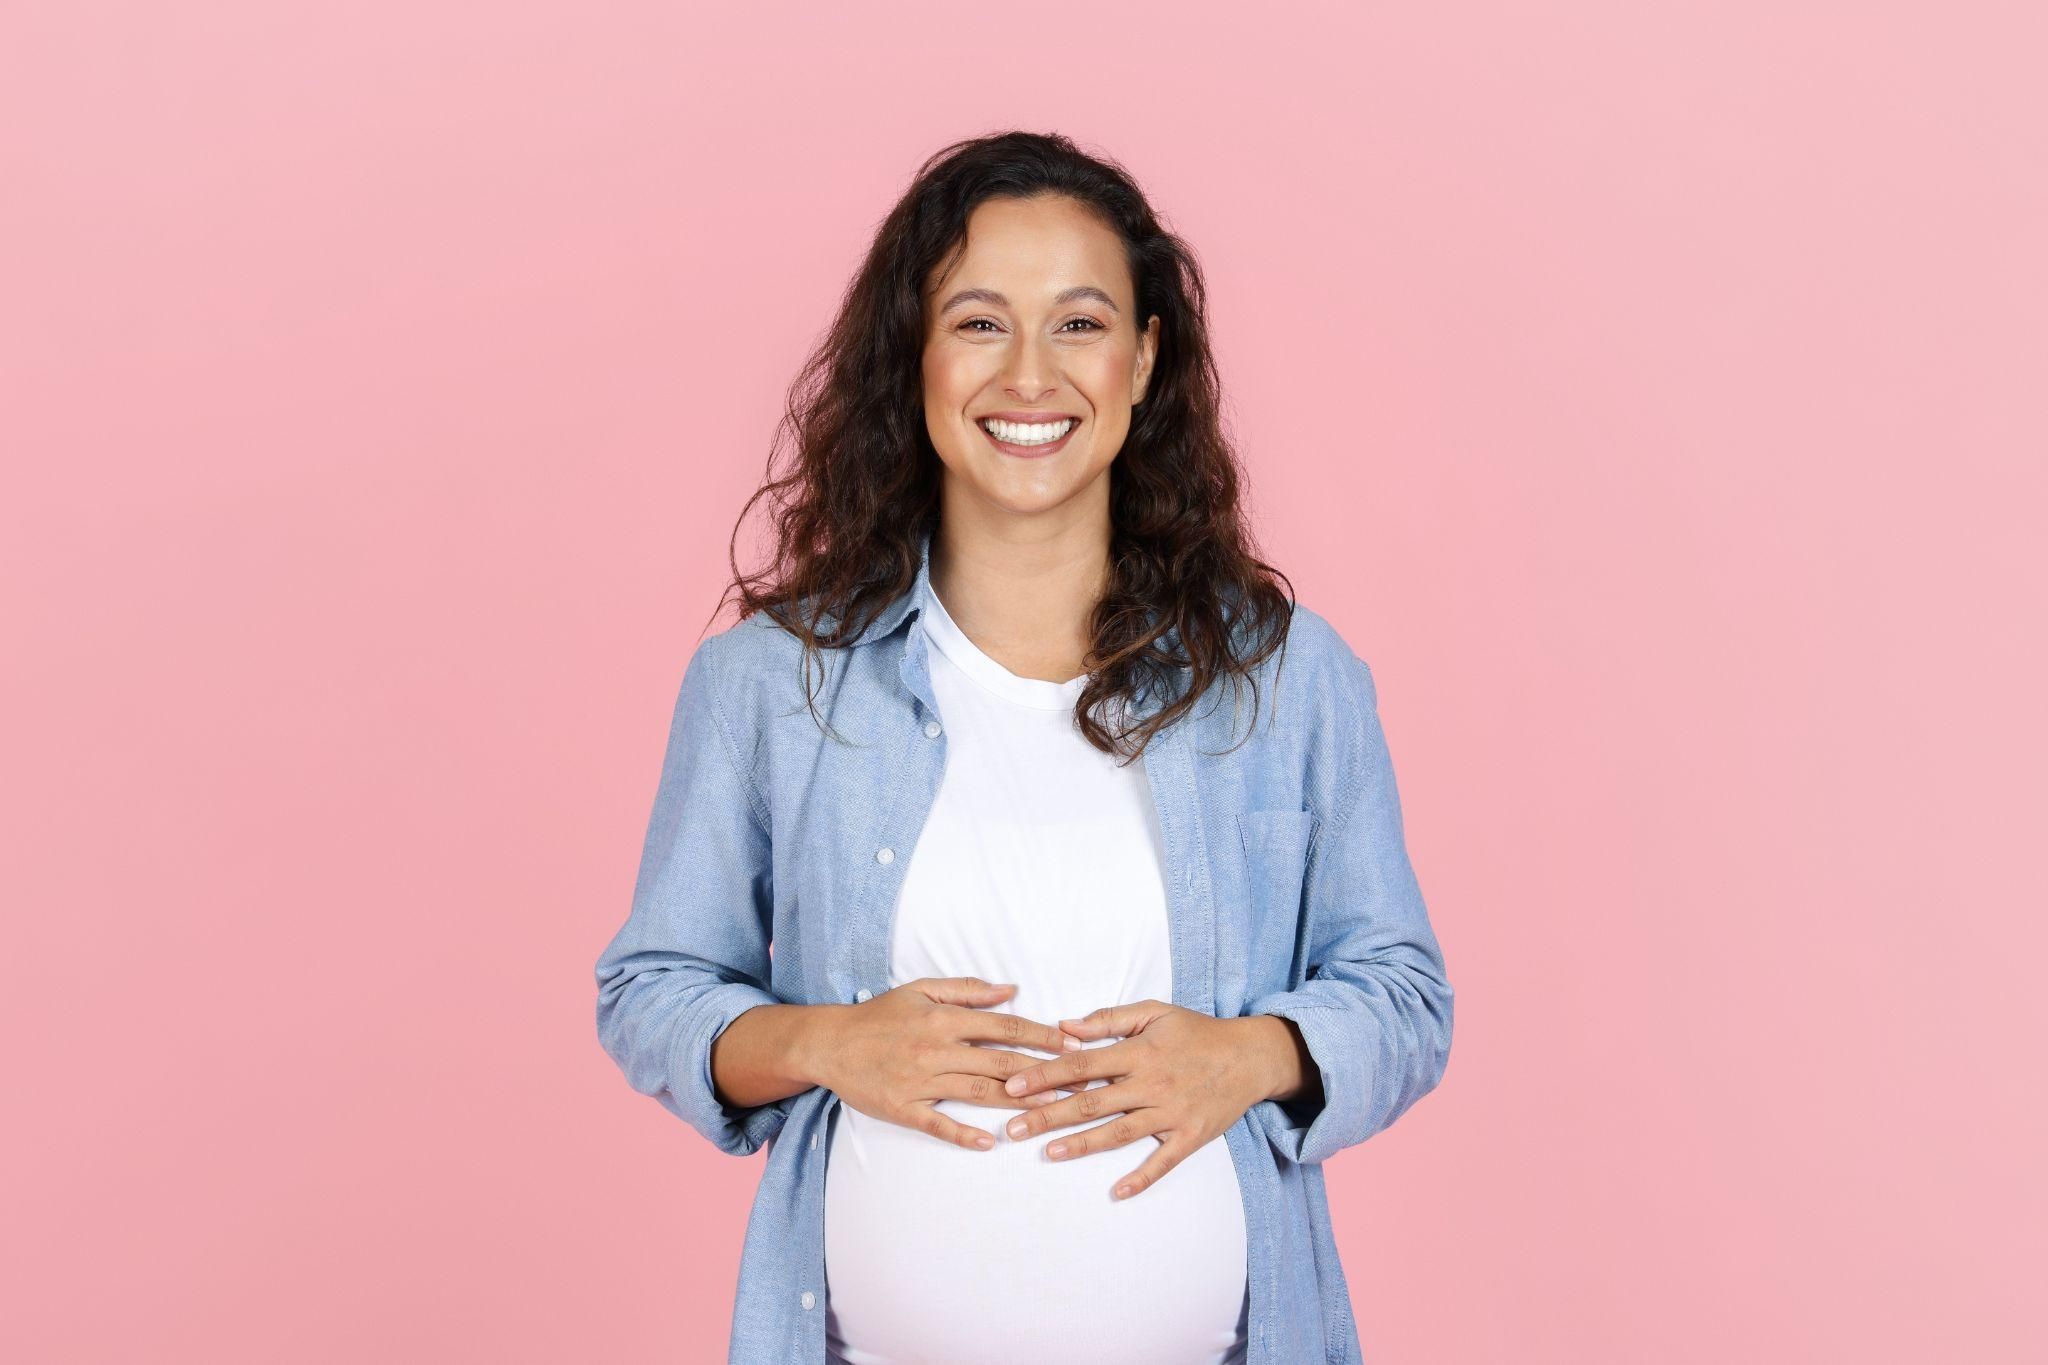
(1025,603)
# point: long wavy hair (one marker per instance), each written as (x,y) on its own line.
(1188,600)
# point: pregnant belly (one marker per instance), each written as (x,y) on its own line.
(939,1253)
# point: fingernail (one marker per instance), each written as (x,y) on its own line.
(1016,1128)
(1057,1149)
(984,1142)
(1015,1085)
(1123,1191)
(1072,1044)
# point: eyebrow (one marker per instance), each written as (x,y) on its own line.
(1065,296)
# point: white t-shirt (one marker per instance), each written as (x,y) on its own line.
(1039,864)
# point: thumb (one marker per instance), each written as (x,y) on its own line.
(964,990)
(1110,1021)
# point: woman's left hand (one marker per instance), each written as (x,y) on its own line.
(1179,1075)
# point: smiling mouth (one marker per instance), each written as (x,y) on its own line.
(1029,436)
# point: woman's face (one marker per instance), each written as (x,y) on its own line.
(1033,323)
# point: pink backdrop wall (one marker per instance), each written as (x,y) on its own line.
(1653,393)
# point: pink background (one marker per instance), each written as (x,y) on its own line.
(1654,394)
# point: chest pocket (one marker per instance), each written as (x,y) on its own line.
(1275,848)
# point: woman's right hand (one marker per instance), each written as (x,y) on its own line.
(892,1057)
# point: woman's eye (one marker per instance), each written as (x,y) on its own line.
(985,326)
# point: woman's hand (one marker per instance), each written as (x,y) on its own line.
(1179,1075)
(893,1056)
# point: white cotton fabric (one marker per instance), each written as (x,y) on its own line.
(1039,864)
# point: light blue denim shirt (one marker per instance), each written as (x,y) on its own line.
(1289,892)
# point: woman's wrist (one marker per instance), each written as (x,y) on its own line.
(1284,1066)
(810,1045)
(771,1052)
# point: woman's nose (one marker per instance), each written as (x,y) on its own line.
(1029,375)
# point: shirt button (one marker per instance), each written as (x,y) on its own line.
(885,855)
(814,1142)
(809,1298)
(863,995)
(931,729)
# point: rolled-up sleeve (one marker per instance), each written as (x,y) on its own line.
(1375,1008)
(693,954)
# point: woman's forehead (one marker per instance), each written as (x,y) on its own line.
(1032,253)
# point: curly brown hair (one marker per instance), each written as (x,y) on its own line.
(1187,597)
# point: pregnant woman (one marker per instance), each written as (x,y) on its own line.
(1026,872)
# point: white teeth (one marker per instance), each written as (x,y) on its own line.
(1028,434)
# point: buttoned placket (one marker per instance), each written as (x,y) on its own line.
(1191,921)
(917,769)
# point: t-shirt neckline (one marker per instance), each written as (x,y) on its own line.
(1039,693)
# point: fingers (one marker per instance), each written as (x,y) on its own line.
(986,1091)
(1072,1071)
(1082,1106)
(977,1023)
(1120,1021)
(970,991)
(1096,1025)
(924,1116)
(1164,1158)
(972,1060)
(1170,1151)
(1016,1031)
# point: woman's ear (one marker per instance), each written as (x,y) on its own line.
(1148,352)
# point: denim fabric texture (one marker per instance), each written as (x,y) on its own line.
(1289,890)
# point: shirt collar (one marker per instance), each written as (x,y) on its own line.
(911,601)
(908,603)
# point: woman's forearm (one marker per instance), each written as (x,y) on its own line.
(770,1053)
